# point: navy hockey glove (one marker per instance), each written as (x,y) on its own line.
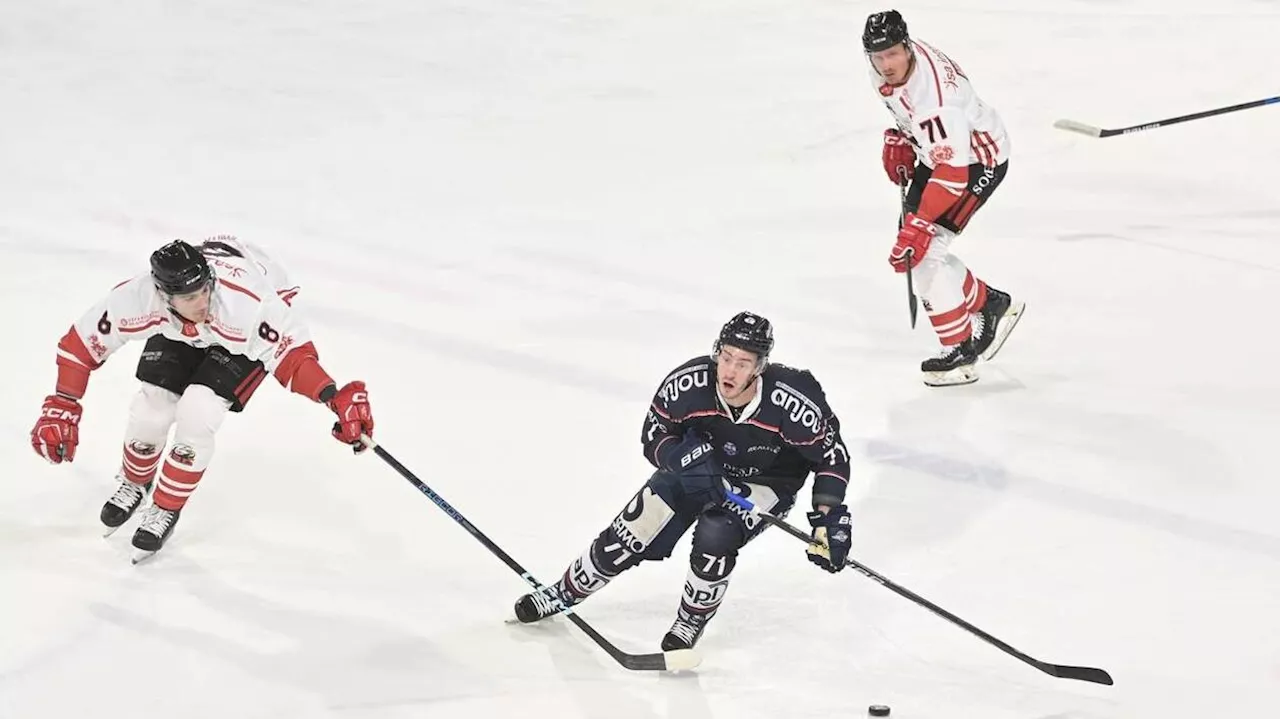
(694,462)
(832,538)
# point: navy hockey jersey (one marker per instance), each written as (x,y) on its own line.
(787,431)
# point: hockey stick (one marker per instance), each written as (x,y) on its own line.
(662,661)
(1091,131)
(1084,674)
(902,217)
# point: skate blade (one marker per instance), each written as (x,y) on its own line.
(957,376)
(515,621)
(1004,328)
(108,531)
(141,555)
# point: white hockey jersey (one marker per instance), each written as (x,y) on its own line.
(250,314)
(939,110)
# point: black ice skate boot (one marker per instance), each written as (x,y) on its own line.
(955,365)
(536,606)
(121,506)
(687,630)
(992,325)
(156,527)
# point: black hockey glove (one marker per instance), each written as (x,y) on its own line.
(832,538)
(694,462)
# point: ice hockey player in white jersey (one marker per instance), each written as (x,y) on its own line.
(954,150)
(216,319)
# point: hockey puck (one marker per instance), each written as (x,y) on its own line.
(878,710)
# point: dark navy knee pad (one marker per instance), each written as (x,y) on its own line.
(716,540)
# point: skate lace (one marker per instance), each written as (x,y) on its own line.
(947,351)
(126,494)
(685,629)
(157,520)
(546,602)
(979,323)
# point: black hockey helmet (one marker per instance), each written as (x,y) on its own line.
(747,331)
(179,269)
(884,30)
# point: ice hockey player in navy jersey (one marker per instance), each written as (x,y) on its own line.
(728,422)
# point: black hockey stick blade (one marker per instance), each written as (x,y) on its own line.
(674,660)
(1093,131)
(1084,674)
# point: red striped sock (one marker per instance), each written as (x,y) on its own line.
(140,461)
(952,326)
(975,293)
(177,479)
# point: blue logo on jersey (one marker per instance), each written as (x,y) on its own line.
(730,448)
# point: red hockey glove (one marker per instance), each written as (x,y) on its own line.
(913,241)
(57,432)
(355,417)
(899,157)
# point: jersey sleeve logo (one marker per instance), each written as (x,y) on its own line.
(285,343)
(98,349)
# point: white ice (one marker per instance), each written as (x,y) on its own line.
(512,219)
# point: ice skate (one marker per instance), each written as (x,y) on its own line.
(992,326)
(687,630)
(953,366)
(123,503)
(536,606)
(156,528)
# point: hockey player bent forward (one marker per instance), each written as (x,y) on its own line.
(216,319)
(729,422)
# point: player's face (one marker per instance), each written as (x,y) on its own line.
(194,306)
(736,370)
(892,64)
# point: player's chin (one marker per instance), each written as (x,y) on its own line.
(729,389)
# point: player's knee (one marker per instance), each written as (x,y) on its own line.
(199,415)
(152,412)
(716,541)
(638,528)
(934,262)
(614,555)
(927,271)
(718,532)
